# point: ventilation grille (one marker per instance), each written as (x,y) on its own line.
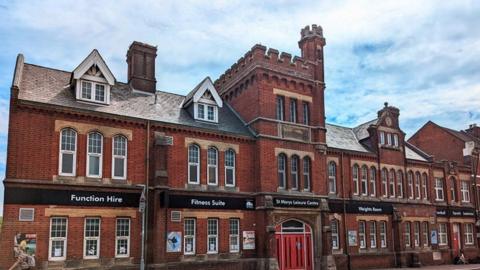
(176,216)
(26,214)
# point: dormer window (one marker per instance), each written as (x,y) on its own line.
(206,112)
(93,80)
(93,91)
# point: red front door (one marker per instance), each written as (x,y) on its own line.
(456,239)
(294,246)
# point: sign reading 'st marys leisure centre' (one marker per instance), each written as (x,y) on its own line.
(70,197)
(298,203)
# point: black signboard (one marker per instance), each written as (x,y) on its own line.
(14,195)
(455,212)
(208,202)
(296,203)
(356,207)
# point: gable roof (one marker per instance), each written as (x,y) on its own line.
(94,58)
(200,89)
(50,86)
(361,131)
(461,135)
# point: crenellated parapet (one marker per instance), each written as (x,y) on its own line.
(269,59)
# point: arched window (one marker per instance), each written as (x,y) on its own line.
(355,171)
(400,184)
(306,173)
(364,185)
(417,185)
(425,186)
(193,164)
(391,183)
(119,158)
(332,177)
(212,166)
(282,160)
(94,155)
(384,182)
(335,235)
(410,184)
(294,172)
(68,152)
(453,189)
(373,181)
(230,168)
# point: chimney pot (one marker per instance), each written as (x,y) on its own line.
(141,66)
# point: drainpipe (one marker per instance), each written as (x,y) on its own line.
(345,237)
(475,189)
(147,177)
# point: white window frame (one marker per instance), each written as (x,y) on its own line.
(123,237)
(282,180)
(389,139)
(411,192)
(206,107)
(416,233)
(364,181)
(306,113)
(384,179)
(425,186)
(395,140)
(469,234)
(391,183)
(280,108)
(212,235)
(293,110)
(382,137)
(407,234)
(93,89)
(230,166)
(234,235)
(123,157)
(425,232)
(400,184)
(439,190)
(355,175)
(372,233)
(417,186)
(332,177)
(100,156)
(61,152)
(453,189)
(192,163)
(373,180)
(213,166)
(97,238)
(442,233)
(334,226)
(361,234)
(189,236)
(307,173)
(383,234)
(465,190)
(294,172)
(64,239)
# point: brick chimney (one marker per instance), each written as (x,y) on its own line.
(311,44)
(141,66)
(474,130)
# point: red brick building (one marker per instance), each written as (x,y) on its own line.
(242,172)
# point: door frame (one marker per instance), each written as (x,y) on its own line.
(305,233)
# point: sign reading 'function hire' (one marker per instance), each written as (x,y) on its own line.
(455,212)
(210,202)
(296,203)
(71,197)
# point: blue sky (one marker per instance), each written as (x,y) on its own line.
(421,56)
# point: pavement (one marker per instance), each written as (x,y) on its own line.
(443,267)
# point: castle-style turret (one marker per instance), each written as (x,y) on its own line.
(311,44)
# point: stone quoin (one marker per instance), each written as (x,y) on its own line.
(241,172)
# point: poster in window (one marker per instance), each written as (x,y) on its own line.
(434,237)
(248,240)
(174,242)
(352,238)
(25,245)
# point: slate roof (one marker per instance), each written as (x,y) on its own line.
(51,86)
(361,131)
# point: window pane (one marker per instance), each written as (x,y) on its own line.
(193,154)
(119,167)
(193,173)
(67,163)
(94,165)
(94,143)
(229,176)
(68,140)
(100,92)
(210,113)
(201,111)
(119,146)
(87,90)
